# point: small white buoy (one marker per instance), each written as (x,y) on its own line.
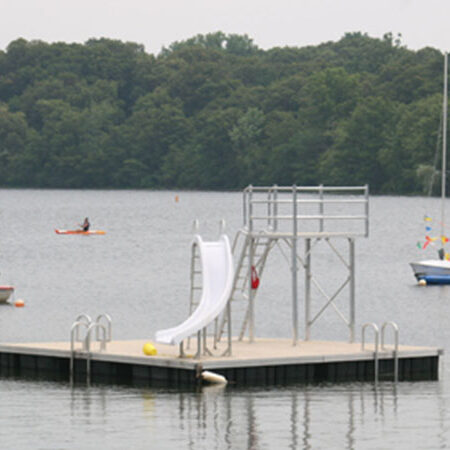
(422,282)
(214,378)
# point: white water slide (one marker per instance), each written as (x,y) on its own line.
(217,282)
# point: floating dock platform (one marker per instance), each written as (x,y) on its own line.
(263,362)
(297,218)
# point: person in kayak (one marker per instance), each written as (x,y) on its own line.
(85,225)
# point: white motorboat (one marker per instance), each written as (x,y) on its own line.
(5,293)
(438,271)
(432,271)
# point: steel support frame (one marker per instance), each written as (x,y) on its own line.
(292,241)
(350,281)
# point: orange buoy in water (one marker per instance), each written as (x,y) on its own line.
(19,303)
(176,198)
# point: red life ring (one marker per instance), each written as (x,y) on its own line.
(255,279)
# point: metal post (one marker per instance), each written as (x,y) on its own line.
(352,288)
(229,327)
(275,207)
(182,354)
(375,353)
(245,203)
(251,251)
(307,289)
(251,322)
(199,345)
(444,147)
(366,195)
(395,351)
(204,341)
(321,207)
(294,267)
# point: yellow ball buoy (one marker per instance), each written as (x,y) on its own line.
(149,349)
(422,282)
(19,303)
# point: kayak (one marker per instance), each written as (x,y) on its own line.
(80,232)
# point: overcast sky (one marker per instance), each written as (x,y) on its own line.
(270,23)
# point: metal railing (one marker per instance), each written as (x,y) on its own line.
(375,353)
(382,347)
(267,207)
(85,321)
(395,351)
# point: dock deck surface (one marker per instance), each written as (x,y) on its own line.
(262,351)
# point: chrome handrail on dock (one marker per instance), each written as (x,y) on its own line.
(74,336)
(107,318)
(84,320)
(87,345)
(395,351)
(377,333)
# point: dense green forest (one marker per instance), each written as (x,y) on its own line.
(217,112)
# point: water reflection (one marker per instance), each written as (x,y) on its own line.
(343,416)
(88,403)
(308,416)
(347,416)
(350,434)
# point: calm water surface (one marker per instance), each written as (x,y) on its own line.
(139,274)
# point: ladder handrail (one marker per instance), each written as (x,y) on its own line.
(396,340)
(260,263)
(219,330)
(376,333)
(74,336)
(242,267)
(193,302)
(87,339)
(87,346)
(86,319)
(108,319)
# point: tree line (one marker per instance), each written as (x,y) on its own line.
(217,112)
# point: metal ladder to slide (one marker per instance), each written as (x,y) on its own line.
(195,284)
(196,288)
(241,290)
(85,321)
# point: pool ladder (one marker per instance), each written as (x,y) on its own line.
(376,345)
(85,321)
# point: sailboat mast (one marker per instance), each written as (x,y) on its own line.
(444,146)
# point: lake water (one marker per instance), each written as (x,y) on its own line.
(139,274)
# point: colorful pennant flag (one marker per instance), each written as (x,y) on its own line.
(428,240)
